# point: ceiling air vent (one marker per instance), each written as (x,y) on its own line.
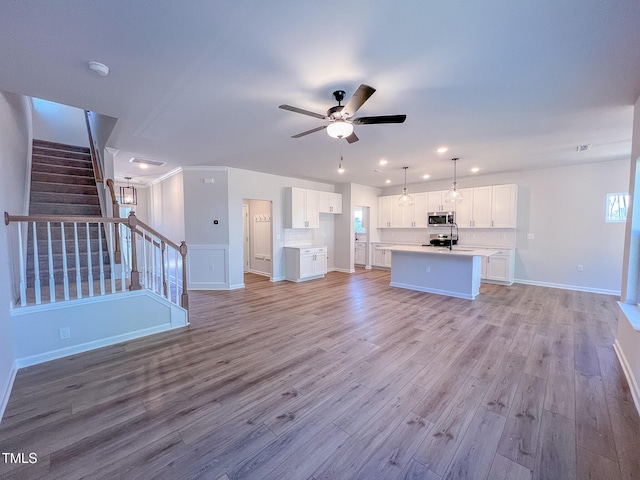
(145,161)
(583,148)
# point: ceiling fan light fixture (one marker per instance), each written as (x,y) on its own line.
(340,129)
(405,199)
(454,196)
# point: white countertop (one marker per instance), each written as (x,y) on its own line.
(457,250)
(302,247)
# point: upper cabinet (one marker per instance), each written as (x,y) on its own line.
(392,215)
(436,203)
(488,207)
(329,202)
(493,206)
(302,206)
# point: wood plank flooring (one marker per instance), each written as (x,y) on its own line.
(341,378)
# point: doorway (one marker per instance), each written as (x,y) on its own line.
(361,235)
(258,231)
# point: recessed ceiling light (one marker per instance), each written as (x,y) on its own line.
(442,149)
(475,170)
(426,176)
(387,181)
(382,162)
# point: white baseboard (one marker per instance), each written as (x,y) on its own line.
(344,270)
(84,347)
(258,272)
(235,286)
(4,400)
(568,287)
(633,385)
(277,279)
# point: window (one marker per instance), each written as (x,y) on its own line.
(617,207)
(359,220)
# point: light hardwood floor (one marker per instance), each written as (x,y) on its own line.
(341,378)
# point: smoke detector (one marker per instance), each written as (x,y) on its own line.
(100,68)
(583,148)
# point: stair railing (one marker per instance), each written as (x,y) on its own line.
(62,270)
(115,213)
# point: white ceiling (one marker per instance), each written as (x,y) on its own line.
(506,85)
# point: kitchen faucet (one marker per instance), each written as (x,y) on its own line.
(453,224)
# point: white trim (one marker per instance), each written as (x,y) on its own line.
(4,400)
(277,279)
(633,385)
(257,272)
(568,287)
(433,290)
(84,347)
(209,168)
(169,174)
(344,270)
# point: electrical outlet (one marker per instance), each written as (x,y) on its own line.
(502,235)
(530,236)
(65,333)
(581,268)
(211,268)
(428,269)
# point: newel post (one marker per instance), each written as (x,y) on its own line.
(115,213)
(184,300)
(135,274)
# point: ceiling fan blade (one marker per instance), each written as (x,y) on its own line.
(304,112)
(355,102)
(379,119)
(352,138)
(313,130)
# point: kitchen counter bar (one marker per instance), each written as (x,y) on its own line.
(455,273)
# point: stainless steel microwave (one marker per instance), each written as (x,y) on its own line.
(441,219)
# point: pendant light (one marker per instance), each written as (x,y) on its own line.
(454,196)
(128,194)
(405,200)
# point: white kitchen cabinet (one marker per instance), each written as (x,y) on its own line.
(329,202)
(504,206)
(384,212)
(381,257)
(305,263)
(499,268)
(301,208)
(392,215)
(435,201)
(360,253)
(493,206)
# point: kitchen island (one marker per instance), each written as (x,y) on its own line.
(455,273)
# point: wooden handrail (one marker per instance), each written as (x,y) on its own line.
(97,168)
(155,232)
(115,212)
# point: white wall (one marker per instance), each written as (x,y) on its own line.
(564,208)
(54,122)
(167,207)
(15,149)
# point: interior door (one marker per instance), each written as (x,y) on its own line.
(245,222)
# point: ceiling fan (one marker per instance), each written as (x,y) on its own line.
(340,117)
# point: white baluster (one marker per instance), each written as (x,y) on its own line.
(145,272)
(125,256)
(52,281)
(101,260)
(36,266)
(112,262)
(89,263)
(65,270)
(153,266)
(23,279)
(78,277)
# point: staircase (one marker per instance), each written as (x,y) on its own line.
(63,183)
